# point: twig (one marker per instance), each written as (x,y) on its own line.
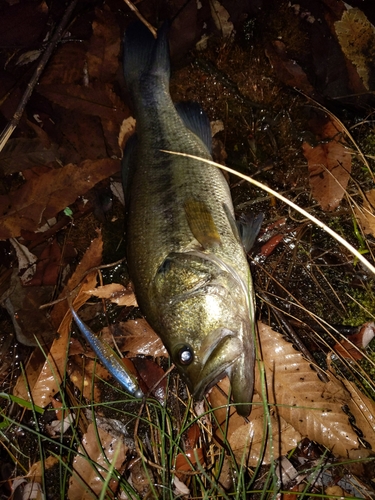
(140,17)
(12,125)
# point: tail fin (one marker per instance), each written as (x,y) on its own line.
(144,55)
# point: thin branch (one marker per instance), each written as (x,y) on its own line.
(12,125)
(140,17)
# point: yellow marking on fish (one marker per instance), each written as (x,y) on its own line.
(201,223)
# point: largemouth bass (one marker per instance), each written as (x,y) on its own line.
(186,260)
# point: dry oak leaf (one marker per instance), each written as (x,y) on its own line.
(89,468)
(49,191)
(314,408)
(329,165)
(366,215)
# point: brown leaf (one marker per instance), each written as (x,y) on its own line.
(104,48)
(151,373)
(47,192)
(47,266)
(139,338)
(329,167)
(45,384)
(286,69)
(366,215)
(88,479)
(246,437)
(31,324)
(20,154)
(83,374)
(312,407)
(357,39)
(37,469)
(66,66)
(92,258)
(116,293)
(99,100)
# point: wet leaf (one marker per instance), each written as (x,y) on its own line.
(357,39)
(247,439)
(329,165)
(47,191)
(104,48)
(139,338)
(84,373)
(88,479)
(98,100)
(314,408)
(366,214)
(301,405)
(116,293)
(45,384)
(31,324)
(47,266)
(20,154)
(287,70)
(153,376)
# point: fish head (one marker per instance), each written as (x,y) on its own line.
(201,312)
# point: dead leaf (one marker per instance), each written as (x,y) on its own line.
(92,258)
(286,69)
(37,469)
(137,337)
(221,18)
(47,192)
(301,405)
(87,479)
(247,439)
(329,165)
(98,100)
(366,215)
(31,324)
(357,39)
(47,266)
(116,293)
(67,65)
(104,47)
(20,154)
(83,374)
(48,380)
(151,374)
(127,129)
(312,407)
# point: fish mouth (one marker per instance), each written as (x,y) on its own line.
(218,362)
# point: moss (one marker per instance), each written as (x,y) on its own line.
(362,306)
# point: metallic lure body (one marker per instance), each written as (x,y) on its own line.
(186,260)
(109,358)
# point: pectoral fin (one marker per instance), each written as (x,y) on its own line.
(201,223)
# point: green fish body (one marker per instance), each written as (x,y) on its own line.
(187,263)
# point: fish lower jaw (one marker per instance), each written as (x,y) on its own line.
(204,387)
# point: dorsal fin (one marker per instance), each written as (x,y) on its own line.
(196,120)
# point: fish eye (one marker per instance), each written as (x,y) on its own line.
(185,355)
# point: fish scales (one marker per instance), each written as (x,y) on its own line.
(188,266)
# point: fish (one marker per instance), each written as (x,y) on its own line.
(109,358)
(184,252)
